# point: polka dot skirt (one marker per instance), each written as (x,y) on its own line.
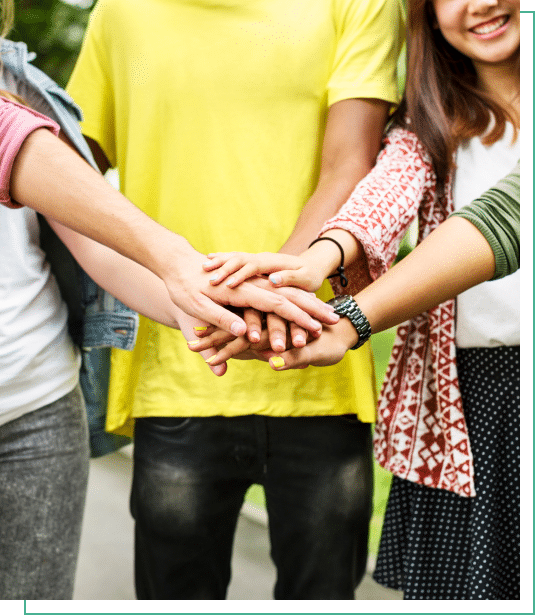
(437,545)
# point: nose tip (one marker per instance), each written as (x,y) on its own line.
(480,5)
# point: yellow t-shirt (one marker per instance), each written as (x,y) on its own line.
(213,111)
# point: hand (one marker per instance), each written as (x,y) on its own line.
(328,349)
(286,270)
(273,336)
(276,327)
(225,346)
(189,288)
(187,326)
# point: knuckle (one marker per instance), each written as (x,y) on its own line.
(279,302)
(222,320)
(198,303)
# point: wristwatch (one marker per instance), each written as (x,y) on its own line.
(345,305)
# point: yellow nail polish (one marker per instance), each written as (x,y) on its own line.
(212,358)
(194,343)
(277,362)
(200,328)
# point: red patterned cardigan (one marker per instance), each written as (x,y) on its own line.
(421,432)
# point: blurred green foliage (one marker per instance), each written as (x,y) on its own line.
(54,30)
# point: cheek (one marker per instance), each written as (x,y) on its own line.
(448,14)
(452,36)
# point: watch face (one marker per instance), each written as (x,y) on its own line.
(338,301)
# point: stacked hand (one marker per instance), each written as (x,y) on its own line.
(191,290)
(285,269)
(283,342)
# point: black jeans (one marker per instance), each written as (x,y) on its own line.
(190,478)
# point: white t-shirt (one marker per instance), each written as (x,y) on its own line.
(38,361)
(488,315)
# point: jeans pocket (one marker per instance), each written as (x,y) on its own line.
(352,419)
(164,424)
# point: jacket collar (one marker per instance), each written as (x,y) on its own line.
(15,56)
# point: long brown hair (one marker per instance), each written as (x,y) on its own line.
(443,104)
(7,14)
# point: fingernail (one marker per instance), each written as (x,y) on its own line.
(235,329)
(230,281)
(194,343)
(254,336)
(299,339)
(315,324)
(275,279)
(214,278)
(207,264)
(212,358)
(200,328)
(277,362)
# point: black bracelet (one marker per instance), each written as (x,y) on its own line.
(340,269)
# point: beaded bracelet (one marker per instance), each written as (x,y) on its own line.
(340,269)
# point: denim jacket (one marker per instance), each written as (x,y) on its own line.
(97,321)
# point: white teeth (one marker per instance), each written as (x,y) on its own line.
(490,27)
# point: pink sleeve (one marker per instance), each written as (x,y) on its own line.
(383,204)
(16,123)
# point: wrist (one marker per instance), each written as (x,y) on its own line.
(172,254)
(323,258)
(340,271)
(347,307)
(347,333)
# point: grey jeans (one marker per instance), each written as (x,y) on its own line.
(44,460)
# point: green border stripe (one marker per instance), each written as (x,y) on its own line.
(526,349)
(281,606)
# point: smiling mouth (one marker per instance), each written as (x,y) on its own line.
(490,26)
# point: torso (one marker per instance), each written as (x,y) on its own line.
(38,362)
(488,315)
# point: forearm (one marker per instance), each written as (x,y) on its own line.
(352,139)
(333,189)
(132,284)
(351,144)
(125,279)
(51,178)
(453,258)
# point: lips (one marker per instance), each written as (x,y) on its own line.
(490,26)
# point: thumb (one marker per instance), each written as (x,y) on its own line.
(298,278)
